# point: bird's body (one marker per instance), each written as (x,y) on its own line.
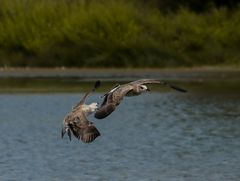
(113,98)
(76,122)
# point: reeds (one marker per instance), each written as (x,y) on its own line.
(114,34)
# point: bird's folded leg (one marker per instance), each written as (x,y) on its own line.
(69,134)
(66,130)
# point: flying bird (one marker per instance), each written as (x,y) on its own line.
(113,98)
(76,121)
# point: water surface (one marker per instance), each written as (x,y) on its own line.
(157,136)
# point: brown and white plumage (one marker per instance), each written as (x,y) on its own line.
(77,123)
(113,98)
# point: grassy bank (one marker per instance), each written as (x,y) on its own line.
(114,34)
(73,85)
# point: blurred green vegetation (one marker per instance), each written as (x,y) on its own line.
(118,33)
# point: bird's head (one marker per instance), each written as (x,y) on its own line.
(143,88)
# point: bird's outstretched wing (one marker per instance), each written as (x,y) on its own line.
(146,81)
(77,124)
(83,99)
(154,81)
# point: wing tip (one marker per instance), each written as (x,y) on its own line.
(178,89)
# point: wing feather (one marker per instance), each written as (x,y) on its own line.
(104,111)
(89,134)
(154,81)
(147,81)
(81,127)
(111,101)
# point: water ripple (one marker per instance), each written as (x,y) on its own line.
(159,136)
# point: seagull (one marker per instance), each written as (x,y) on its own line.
(76,121)
(113,98)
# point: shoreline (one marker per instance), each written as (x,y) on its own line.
(195,80)
(88,74)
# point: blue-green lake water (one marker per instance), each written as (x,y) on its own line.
(157,136)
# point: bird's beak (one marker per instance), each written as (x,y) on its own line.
(148,89)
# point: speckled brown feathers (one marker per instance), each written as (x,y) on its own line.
(80,127)
(76,122)
(113,98)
